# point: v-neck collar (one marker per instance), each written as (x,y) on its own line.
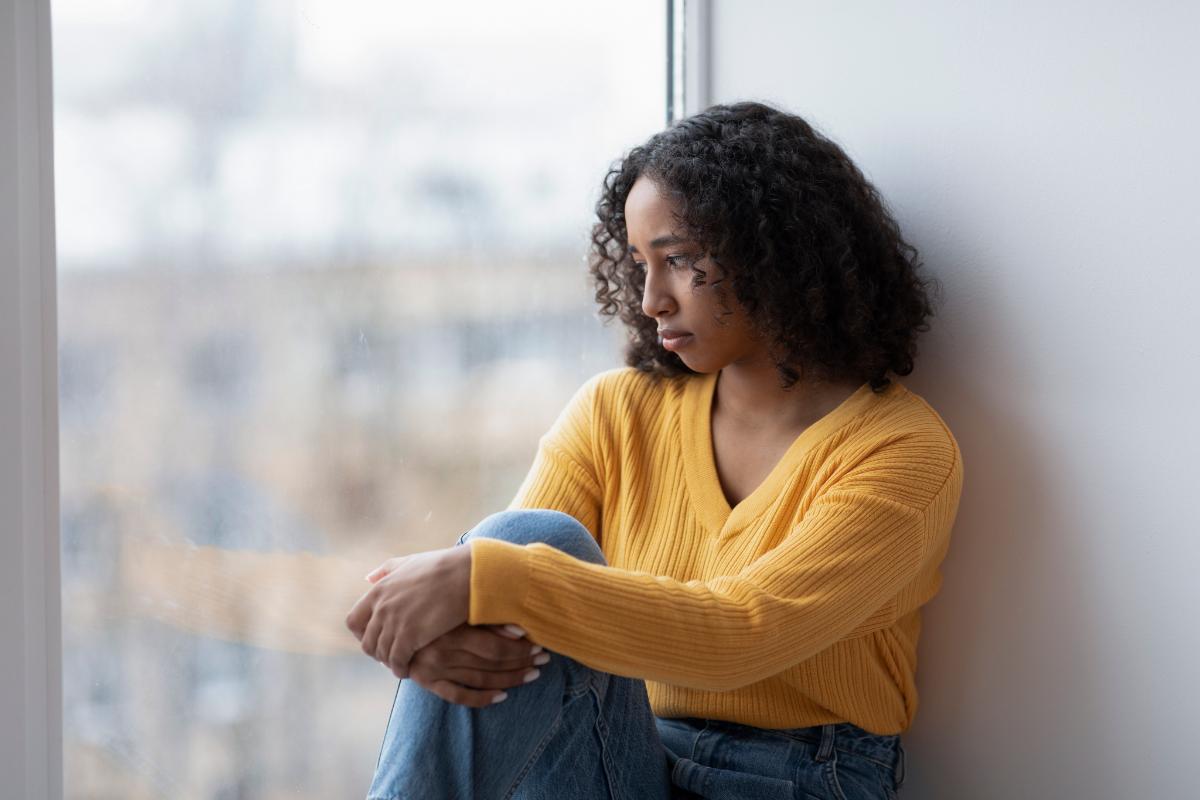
(700,464)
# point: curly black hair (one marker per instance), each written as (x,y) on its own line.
(809,247)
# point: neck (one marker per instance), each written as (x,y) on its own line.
(749,396)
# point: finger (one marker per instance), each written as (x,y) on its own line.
(371,635)
(383,645)
(486,679)
(431,663)
(510,631)
(493,646)
(464,659)
(463,696)
(399,660)
(358,617)
(477,646)
(383,570)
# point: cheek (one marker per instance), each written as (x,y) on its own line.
(733,337)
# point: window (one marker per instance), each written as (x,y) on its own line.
(321,287)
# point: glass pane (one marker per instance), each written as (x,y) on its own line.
(322,287)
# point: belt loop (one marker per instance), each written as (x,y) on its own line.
(901,766)
(825,750)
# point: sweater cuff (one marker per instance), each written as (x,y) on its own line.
(500,576)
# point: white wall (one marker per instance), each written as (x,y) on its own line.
(1044,159)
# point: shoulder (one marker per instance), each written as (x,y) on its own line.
(626,401)
(905,445)
(621,385)
(909,414)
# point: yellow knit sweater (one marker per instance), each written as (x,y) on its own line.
(799,606)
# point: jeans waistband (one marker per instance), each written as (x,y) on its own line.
(845,736)
(883,748)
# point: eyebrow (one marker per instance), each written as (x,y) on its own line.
(661,242)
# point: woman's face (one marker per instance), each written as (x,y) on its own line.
(669,296)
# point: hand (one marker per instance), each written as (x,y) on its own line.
(414,600)
(469,664)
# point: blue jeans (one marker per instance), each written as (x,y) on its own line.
(580,733)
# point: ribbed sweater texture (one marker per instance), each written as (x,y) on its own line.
(799,606)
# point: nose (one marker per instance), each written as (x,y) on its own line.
(656,294)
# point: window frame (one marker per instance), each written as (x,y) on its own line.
(31,704)
(30,600)
(689,43)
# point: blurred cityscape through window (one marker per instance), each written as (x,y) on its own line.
(322,286)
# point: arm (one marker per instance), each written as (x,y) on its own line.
(831,577)
(419,598)
(851,553)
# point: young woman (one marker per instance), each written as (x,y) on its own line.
(719,554)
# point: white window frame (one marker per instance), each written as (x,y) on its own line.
(31,734)
(688,64)
(30,614)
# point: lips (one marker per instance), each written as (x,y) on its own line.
(673,340)
(671,333)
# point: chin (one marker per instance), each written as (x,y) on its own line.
(698,365)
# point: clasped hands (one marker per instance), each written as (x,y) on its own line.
(414,621)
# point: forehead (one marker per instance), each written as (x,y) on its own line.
(647,210)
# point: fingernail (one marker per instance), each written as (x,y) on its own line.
(542,659)
(537,648)
(515,630)
(531,675)
(500,697)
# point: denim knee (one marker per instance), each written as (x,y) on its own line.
(528,525)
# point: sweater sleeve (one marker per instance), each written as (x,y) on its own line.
(849,555)
(564,476)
